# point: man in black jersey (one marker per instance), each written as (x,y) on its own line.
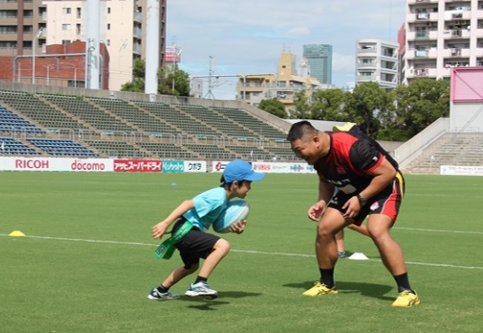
(369,184)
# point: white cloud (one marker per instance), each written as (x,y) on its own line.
(298,31)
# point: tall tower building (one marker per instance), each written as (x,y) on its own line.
(377,61)
(319,59)
(441,34)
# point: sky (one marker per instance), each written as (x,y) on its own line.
(248,36)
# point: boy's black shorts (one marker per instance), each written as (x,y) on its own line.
(195,245)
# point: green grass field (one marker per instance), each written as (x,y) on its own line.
(87,264)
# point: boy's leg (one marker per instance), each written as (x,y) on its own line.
(200,287)
(339,238)
(178,274)
(362,229)
(220,250)
(162,292)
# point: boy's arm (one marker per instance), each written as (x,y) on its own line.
(160,228)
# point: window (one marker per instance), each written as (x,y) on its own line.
(66,27)
(108,42)
(65,41)
(66,10)
(109,10)
(108,26)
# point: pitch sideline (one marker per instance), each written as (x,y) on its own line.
(248,251)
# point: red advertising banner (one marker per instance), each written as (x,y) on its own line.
(137,165)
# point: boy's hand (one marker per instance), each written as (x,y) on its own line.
(159,230)
(238,227)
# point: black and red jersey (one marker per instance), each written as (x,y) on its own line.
(352,156)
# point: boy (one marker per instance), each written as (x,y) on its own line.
(196,216)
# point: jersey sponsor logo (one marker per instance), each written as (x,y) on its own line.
(340,170)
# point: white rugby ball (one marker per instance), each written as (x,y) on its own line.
(236,211)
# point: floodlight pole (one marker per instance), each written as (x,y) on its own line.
(177,54)
(39,33)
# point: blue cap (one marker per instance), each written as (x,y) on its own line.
(240,170)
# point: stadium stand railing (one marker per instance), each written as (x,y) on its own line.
(111,127)
(61,147)
(10,146)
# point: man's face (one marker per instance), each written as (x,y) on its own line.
(307,148)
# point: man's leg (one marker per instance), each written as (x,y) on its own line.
(392,256)
(326,251)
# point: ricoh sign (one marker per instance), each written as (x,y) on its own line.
(55,164)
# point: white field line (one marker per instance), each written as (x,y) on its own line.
(234,250)
(445,231)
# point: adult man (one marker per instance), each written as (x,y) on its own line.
(369,184)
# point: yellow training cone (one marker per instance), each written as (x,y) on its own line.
(17,233)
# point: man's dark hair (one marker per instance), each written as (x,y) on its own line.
(299,130)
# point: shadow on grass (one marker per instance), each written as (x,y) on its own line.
(210,305)
(344,287)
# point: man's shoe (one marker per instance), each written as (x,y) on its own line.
(341,254)
(201,289)
(406,299)
(320,289)
(156,295)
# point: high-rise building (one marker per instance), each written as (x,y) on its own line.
(377,61)
(319,59)
(441,34)
(122,30)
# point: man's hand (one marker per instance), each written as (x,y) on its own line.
(317,210)
(352,208)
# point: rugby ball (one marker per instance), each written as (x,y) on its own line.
(236,210)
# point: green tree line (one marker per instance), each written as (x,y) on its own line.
(397,115)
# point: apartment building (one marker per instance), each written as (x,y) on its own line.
(27,26)
(282,85)
(377,61)
(440,35)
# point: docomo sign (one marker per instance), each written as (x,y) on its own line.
(55,164)
(87,165)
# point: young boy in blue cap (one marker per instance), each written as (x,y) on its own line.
(193,218)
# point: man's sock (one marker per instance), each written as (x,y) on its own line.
(403,282)
(327,277)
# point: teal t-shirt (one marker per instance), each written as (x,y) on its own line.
(208,206)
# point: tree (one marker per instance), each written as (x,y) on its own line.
(273,106)
(302,108)
(173,75)
(166,77)
(419,104)
(138,73)
(365,105)
(329,105)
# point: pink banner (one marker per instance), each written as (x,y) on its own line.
(137,165)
